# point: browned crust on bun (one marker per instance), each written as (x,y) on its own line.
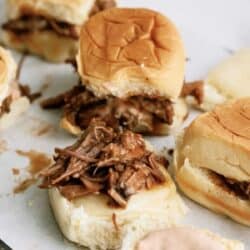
(131,51)
(201,186)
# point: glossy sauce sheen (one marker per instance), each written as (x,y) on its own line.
(179,239)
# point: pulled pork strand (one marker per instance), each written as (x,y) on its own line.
(195,89)
(105,160)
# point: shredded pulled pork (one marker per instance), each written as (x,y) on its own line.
(28,23)
(240,188)
(107,161)
(137,113)
(195,89)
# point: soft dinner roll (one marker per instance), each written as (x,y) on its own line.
(228,80)
(48,28)
(131,64)
(131,52)
(88,221)
(186,238)
(212,160)
(109,189)
(12,103)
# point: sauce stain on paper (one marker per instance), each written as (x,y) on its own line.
(21,187)
(37,162)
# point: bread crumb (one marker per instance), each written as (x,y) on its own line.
(15,171)
(30,203)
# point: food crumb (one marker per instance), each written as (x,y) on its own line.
(30,203)
(15,171)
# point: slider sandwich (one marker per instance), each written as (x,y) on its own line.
(212,160)
(110,189)
(186,238)
(227,81)
(131,64)
(12,102)
(48,28)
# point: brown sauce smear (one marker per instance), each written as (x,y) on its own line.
(44,129)
(37,162)
(21,187)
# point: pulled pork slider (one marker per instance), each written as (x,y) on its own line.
(12,103)
(131,64)
(109,188)
(225,82)
(49,28)
(212,160)
(186,238)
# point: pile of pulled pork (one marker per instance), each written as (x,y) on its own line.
(105,160)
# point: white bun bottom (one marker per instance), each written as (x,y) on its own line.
(201,186)
(88,221)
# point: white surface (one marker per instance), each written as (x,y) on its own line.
(209,28)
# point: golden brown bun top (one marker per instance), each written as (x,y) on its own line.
(230,121)
(131,51)
(235,118)
(220,140)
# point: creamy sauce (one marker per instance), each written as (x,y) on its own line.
(179,239)
(37,161)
